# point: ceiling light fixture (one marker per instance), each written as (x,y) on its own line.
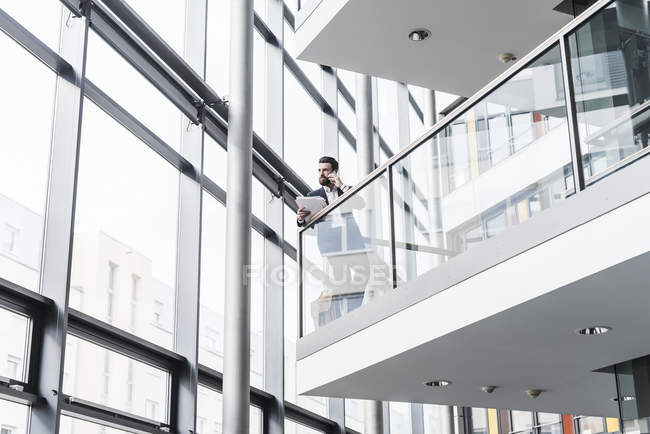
(488,389)
(419,35)
(591,331)
(437,383)
(534,393)
(623,398)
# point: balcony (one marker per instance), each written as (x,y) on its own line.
(518,215)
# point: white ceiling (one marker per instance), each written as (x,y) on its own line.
(532,345)
(370,36)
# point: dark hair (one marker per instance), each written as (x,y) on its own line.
(331,161)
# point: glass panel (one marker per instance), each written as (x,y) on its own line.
(257,310)
(14,418)
(108,378)
(291,302)
(591,425)
(348,78)
(416,126)
(259,84)
(400,418)
(291,427)
(123,83)
(612,83)
(355,414)
(44,25)
(25,156)
(166,19)
(124,251)
(554,428)
(218,46)
(450,194)
(71,425)
(209,413)
(479,421)
(302,129)
(521,420)
(346,256)
(545,418)
(290,230)
(14,335)
(213,268)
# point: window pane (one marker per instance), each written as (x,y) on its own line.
(259,84)
(291,302)
(416,126)
(211,317)
(479,421)
(45,24)
(348,78)
(209,413)
(311,69)
(432,418)
(218,46)
(591,425)
(105,377)
(14,335)
(115,76)
(25,154)
(215,161)
(348,171)
(124,255)
(302,129)
(400,418)
(167,19)
(612,83)
(521,420)
(355,414)
(291,427)
(213,249)
(71,425)
(14,418)
(347,114)
(290,227)
(388,114)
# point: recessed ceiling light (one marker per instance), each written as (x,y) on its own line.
(418,35)
(596,330)
(623,398)
(438,383)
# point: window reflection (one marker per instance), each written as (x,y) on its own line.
(14,418)
(124,250)
(24,154)
(209,413)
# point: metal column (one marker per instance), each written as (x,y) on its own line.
(59,217)
(274,218)
(189,238)
(236,381)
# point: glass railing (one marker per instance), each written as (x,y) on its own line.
(565,116)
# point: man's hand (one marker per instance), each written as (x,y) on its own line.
(302,213)
(334,179)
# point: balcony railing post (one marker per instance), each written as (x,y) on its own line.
(572,118)
(391,214)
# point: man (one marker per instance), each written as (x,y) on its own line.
(343,249)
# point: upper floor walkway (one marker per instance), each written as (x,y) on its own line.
(476,251)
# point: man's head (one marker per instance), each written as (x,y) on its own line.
(326,165)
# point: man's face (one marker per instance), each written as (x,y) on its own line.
(324,170)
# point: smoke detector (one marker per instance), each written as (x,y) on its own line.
(507,57)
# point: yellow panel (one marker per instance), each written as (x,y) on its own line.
(493,421)
(611,423)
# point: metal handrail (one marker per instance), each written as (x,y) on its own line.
(462,108)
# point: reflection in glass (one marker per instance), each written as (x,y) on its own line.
(502,161)
(346,256)
(479,421)
(106,377)
(13,417)
(124,250)
(609,60)
(71,425)
(24,153)
(14,335)
(291,427)
(209,413)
